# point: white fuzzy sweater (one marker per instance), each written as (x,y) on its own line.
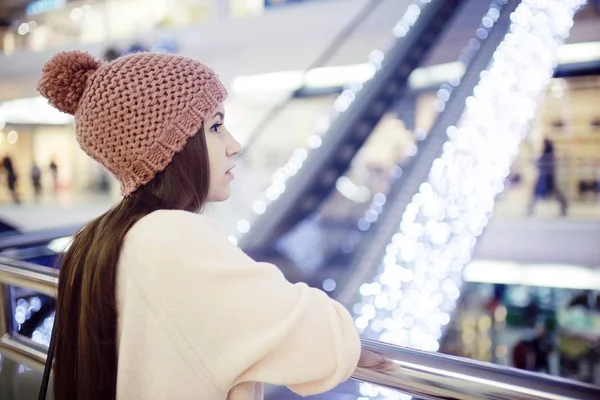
(199,319)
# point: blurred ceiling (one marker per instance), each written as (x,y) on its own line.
(250,44)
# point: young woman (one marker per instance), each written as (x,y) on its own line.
(154,302)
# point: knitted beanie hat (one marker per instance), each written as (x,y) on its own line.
(132,114)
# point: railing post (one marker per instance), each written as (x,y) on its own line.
(4,323)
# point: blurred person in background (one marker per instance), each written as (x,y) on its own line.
(54,172)
(11,178)
(533,353)
(36,180)
(156,288)
(546,184)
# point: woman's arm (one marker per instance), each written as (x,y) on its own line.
(242,319)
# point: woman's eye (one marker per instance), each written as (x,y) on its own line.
(216,128)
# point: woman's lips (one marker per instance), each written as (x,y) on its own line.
(229,173)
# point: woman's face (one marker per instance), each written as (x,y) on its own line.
(222,148)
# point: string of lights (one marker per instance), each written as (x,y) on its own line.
(372,214)
(418,281)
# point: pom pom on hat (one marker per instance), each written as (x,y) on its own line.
(64,79)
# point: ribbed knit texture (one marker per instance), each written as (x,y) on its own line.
(199,319)
(133,114)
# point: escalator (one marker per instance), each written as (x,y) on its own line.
(417,172)
(363,232)
(356,112)
(295,225)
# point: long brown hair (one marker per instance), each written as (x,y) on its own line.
(85,365)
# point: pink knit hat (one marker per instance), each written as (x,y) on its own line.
(133,114)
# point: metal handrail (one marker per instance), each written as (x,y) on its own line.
(437,376)
(35,238)
(27,275)
(418,373)
(23,351)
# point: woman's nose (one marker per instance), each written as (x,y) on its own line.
(234,147)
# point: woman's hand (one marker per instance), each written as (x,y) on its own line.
(374,361)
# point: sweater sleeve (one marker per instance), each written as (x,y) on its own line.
(240,319)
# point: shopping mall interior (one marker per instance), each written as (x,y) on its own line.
(433,165)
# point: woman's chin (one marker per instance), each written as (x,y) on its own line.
(217,196)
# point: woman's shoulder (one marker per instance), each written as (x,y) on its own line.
(174,226)
(170,235)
